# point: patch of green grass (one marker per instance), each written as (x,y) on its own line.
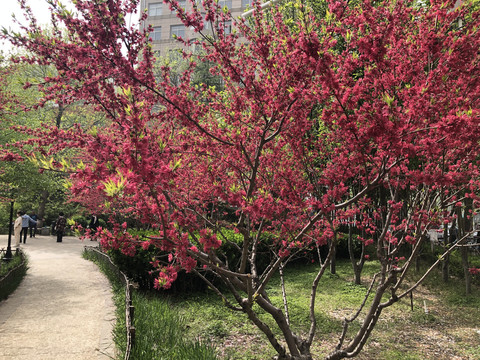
(159,329)
(16,268)
(206,316)
(160,332)
(203,316)
(460,299)
(473,352)
(453,292)
(209,318)
(419,316)
(6,266)
(217,328)
(327,326)
(400,354)
(337,298)
(231,331)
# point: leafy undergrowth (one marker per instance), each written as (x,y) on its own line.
(442,325)
(160,333)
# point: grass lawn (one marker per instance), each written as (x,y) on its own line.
(450,329)
(197,326)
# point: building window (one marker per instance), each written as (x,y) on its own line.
(156,35)
(177,31)
(246,3)
(223,3)
(155,9)
(182,4)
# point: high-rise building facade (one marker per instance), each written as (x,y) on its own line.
(166,25)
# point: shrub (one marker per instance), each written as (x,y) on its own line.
(139,267)
(79,220)
(11,274)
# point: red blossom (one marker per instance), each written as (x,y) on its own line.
(474,271)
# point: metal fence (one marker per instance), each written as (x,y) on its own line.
(129,308)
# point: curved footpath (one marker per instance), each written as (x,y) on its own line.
(63,309)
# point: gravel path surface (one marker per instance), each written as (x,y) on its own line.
(63,308)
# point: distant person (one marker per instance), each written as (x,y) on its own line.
(93,227)
(33,226)
(26,221)
(60,226)
(17,228)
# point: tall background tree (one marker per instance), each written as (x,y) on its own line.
(26,108)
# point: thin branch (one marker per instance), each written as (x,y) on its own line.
(218,292)
(346,321)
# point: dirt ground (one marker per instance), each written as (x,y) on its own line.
(434,330)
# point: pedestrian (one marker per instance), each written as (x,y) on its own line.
(33,225)
(17,228)
(60,226)
(26,221)
(93,227)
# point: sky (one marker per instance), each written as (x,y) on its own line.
(9,7)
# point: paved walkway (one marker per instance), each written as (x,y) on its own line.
(63,308)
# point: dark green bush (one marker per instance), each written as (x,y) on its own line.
(139,267)
(80,220)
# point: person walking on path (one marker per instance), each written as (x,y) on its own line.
(17,229)
(93,227)
(26,221)
(33,225)
(60,226)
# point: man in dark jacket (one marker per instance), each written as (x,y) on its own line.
(93,227)
(33,225)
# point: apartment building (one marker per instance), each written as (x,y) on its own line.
(166,25)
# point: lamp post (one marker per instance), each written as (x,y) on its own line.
(8,255)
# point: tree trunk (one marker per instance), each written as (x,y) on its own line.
(446,261)
(41,208)
(333,268)
(445,272)
(358,277)
(417,264)
(466,227)
(417,256)
(58,118)
(468,277)
(357,269)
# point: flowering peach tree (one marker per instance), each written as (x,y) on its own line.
(367,116)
